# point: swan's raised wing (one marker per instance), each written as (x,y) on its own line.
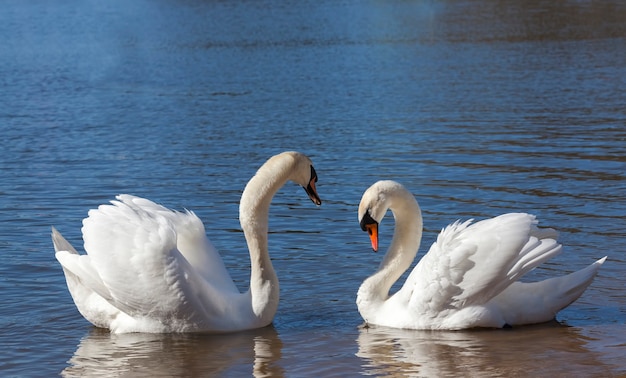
(191,240)
(133,245)
(471,263)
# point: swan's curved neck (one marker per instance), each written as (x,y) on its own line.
(401,251)
(253,217)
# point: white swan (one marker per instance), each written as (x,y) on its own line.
(469,276)
(151,269)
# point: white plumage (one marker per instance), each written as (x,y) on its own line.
(151,269)
(469,277)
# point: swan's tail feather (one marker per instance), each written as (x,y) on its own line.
(77,269)
(85,286)
(574,284)
(520,302)
(60,244)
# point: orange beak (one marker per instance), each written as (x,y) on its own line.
(311,190)
(372,230)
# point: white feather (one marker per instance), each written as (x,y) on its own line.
(469,277)
(151,269)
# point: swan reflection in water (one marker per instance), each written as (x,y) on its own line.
(251,353)
(541,350)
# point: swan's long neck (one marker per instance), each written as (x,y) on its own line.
(401,252)
(253,216)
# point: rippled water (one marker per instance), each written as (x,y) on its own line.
(478,107)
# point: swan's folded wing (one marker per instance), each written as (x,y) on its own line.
(471,263)
(135,254)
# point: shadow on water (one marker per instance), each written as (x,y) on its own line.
(540,350)
(550,349)
(252,353)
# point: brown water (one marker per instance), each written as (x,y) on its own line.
(478,107)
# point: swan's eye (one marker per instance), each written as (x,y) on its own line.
(367,220)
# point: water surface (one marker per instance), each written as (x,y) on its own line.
(478,107)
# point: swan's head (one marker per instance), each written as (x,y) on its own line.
(304,174)
(374,205)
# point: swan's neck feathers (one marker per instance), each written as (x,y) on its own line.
(253,217)
(401,251)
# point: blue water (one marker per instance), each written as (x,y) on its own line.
(478,107)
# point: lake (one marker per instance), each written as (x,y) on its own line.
(478,107)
